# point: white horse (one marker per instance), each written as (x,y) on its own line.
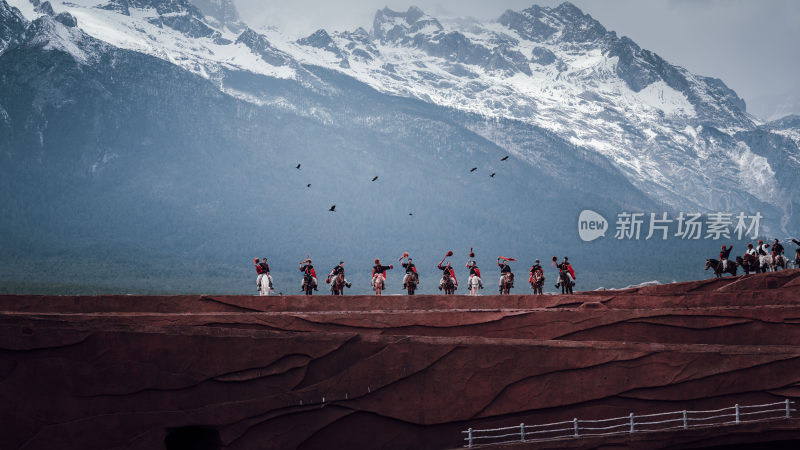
(779,261)
(765,261)
(474,284)
(262,282)
(377,283)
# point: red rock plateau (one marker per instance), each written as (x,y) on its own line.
(241,372)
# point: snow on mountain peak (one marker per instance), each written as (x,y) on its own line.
(390,25)
(554,68)
(221,14)
(12,24)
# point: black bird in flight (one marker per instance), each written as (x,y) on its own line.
(473,169)
(410,214)
(492,175)
(308,185)
(374,178)
(333,208)
(504,158)
(298,166)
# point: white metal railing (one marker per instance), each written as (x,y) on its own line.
(631,423)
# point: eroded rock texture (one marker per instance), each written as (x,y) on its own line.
(392,372)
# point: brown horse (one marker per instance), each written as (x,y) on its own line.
(507,284)
(308,284)
(337,284)
(448,285)
(411,283)
(537,282)
(749,263)
(717,266)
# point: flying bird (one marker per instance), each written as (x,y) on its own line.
(298,166)
(504,158)
(333,208)
(410,214)
(473,169)
(375,178)
(308,185)
(492,175)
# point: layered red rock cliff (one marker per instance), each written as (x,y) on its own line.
(240,372)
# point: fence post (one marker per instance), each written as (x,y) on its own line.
(685,420)
(737,412)
(575,426)
(469,438)
(631,419)
(522,432)
(788,410)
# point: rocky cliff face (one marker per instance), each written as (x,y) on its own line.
(396,372)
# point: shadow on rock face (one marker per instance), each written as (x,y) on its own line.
(193,438)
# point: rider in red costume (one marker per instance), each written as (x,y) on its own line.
(450,270)
(308,268)
(379,271)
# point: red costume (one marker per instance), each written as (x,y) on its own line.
(379,269)
(310,269)
(452,272)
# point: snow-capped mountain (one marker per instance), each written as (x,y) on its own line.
(12,25)
(556,68)
(182,110)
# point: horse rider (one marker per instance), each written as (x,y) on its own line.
(309,269)
(504,269)
(338,269)
(565,265)
(723,256)
(751,251)
(410,269)
(262,271)
(762,248)
(797,251)
(449,270)
(777,249)
(378,271)
(536,268)
(474,271)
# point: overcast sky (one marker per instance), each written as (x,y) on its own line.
(752,45)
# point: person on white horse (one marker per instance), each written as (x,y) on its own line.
(475,281)
(778,258)
(378,272)
(763,253)
(339,268)
(723,256)
(411,269)
(308,269)
(263,279)
(449,270)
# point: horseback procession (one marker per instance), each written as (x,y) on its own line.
(759,259)
(448,283)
